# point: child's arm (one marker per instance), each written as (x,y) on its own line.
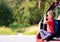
(45,21)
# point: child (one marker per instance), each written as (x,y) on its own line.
(50,26)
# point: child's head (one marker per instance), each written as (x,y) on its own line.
(50,14)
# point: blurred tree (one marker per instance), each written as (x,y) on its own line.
(26,11)
(38,4)
(6,14)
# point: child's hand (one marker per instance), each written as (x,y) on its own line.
(44,15)
(44,18)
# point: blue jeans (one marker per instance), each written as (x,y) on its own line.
(44,34)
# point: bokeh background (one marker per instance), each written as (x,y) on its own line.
(22,16)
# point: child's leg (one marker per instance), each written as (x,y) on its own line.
(47,34)
(44,34)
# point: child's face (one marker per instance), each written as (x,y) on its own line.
(49,16)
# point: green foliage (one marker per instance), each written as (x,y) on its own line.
(24,11)
(14,26)
(35,15)
(6,15)
(20,31)
(30,14)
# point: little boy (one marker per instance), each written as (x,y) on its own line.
(50,26)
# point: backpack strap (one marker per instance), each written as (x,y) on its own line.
(56,28)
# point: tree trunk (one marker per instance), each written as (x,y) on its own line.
(38,4)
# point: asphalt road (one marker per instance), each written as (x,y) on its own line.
(17,38)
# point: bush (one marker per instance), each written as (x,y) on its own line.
(35,15)
(31,14)
(15,26)
(19,27)
(6,16)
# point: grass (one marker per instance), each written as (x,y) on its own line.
(19,27)
(6,31)
(31,30)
